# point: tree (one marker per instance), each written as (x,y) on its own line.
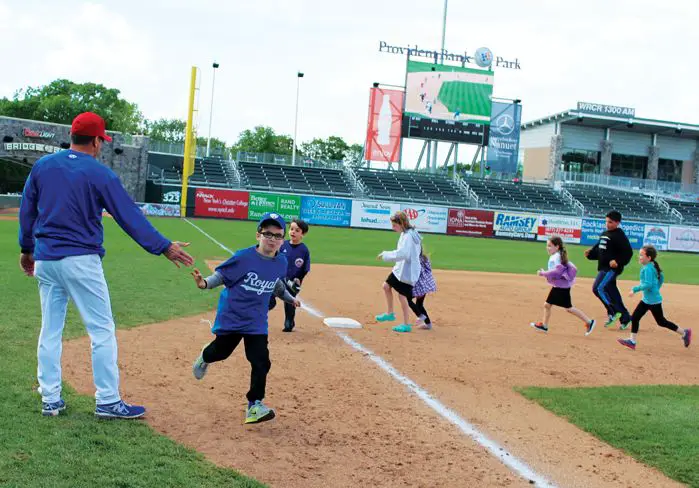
(332,148)
(263,139)
(354,155)
(62,100)
(166,130)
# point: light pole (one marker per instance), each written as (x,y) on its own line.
(299,75)
(211,112)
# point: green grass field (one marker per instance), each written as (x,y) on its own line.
(76,450)
(654,424)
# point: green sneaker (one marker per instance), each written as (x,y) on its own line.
(258,412)
(402,328)
(386,317)
(625,326)
(612,320)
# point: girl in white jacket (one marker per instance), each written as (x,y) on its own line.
(405,272)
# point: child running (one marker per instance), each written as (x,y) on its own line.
(561,276)
(250,276)
(405,272)
(424,285)
(652,280)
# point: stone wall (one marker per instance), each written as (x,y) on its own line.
(29,140)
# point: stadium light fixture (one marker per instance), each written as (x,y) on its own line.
(299,75)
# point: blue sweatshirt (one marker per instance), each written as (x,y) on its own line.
(62,203)
(650,285)
(299,259)
(249,278)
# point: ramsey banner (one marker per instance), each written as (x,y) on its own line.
(472,223)
(427,219)
(384,127)
(372,215)
(515,225)
(684,239)
(326,211)
(593,228)
(567,228)
(657,235)
(503,146)
(288,206)
(227,204)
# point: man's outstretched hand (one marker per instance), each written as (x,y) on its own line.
(177,255)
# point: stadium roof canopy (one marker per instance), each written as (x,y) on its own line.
(636,124)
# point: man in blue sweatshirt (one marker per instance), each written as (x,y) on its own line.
(61,236)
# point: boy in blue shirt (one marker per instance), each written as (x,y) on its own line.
(299,258)
(250,277)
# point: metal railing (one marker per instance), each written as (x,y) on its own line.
(286,160)
(568,196)
(177,148)
(668,189)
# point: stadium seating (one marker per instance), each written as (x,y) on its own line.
(599,200)
(410,186)
(299,179)
(689,210)
(499,194)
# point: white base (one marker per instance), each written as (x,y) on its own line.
(342,323)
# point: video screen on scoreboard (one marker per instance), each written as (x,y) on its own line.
(448,103)
(443,92)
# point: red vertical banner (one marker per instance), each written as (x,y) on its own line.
(384,128)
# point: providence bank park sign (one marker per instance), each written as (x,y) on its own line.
(444,55)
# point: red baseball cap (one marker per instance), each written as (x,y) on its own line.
(89,124)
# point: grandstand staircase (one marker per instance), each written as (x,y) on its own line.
(358,188)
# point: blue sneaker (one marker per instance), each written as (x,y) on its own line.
(590,327)
(119,410)
(52,409)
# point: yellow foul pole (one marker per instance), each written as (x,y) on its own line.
(190,144)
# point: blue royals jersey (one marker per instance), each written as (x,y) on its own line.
(299,259)
(249,279)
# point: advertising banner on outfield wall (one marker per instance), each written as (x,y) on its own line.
(159,209)
(593,228)
(684,239)
(657,235)
(515,225)
(372,215)
(427,219)
(225,204)
(567,228)
(288,206)
(471,223)
(326,211)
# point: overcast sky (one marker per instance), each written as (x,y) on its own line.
(634,53)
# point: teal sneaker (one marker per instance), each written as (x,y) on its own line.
(402,328)
(257,413)
(612,320)
(199,367)
(386,317)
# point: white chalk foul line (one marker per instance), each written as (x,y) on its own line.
(495,449)
(207,235)
(515,464)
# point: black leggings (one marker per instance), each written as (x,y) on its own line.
(656,310)
(419,308)
(255,350)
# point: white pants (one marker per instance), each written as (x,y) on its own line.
(80,278)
